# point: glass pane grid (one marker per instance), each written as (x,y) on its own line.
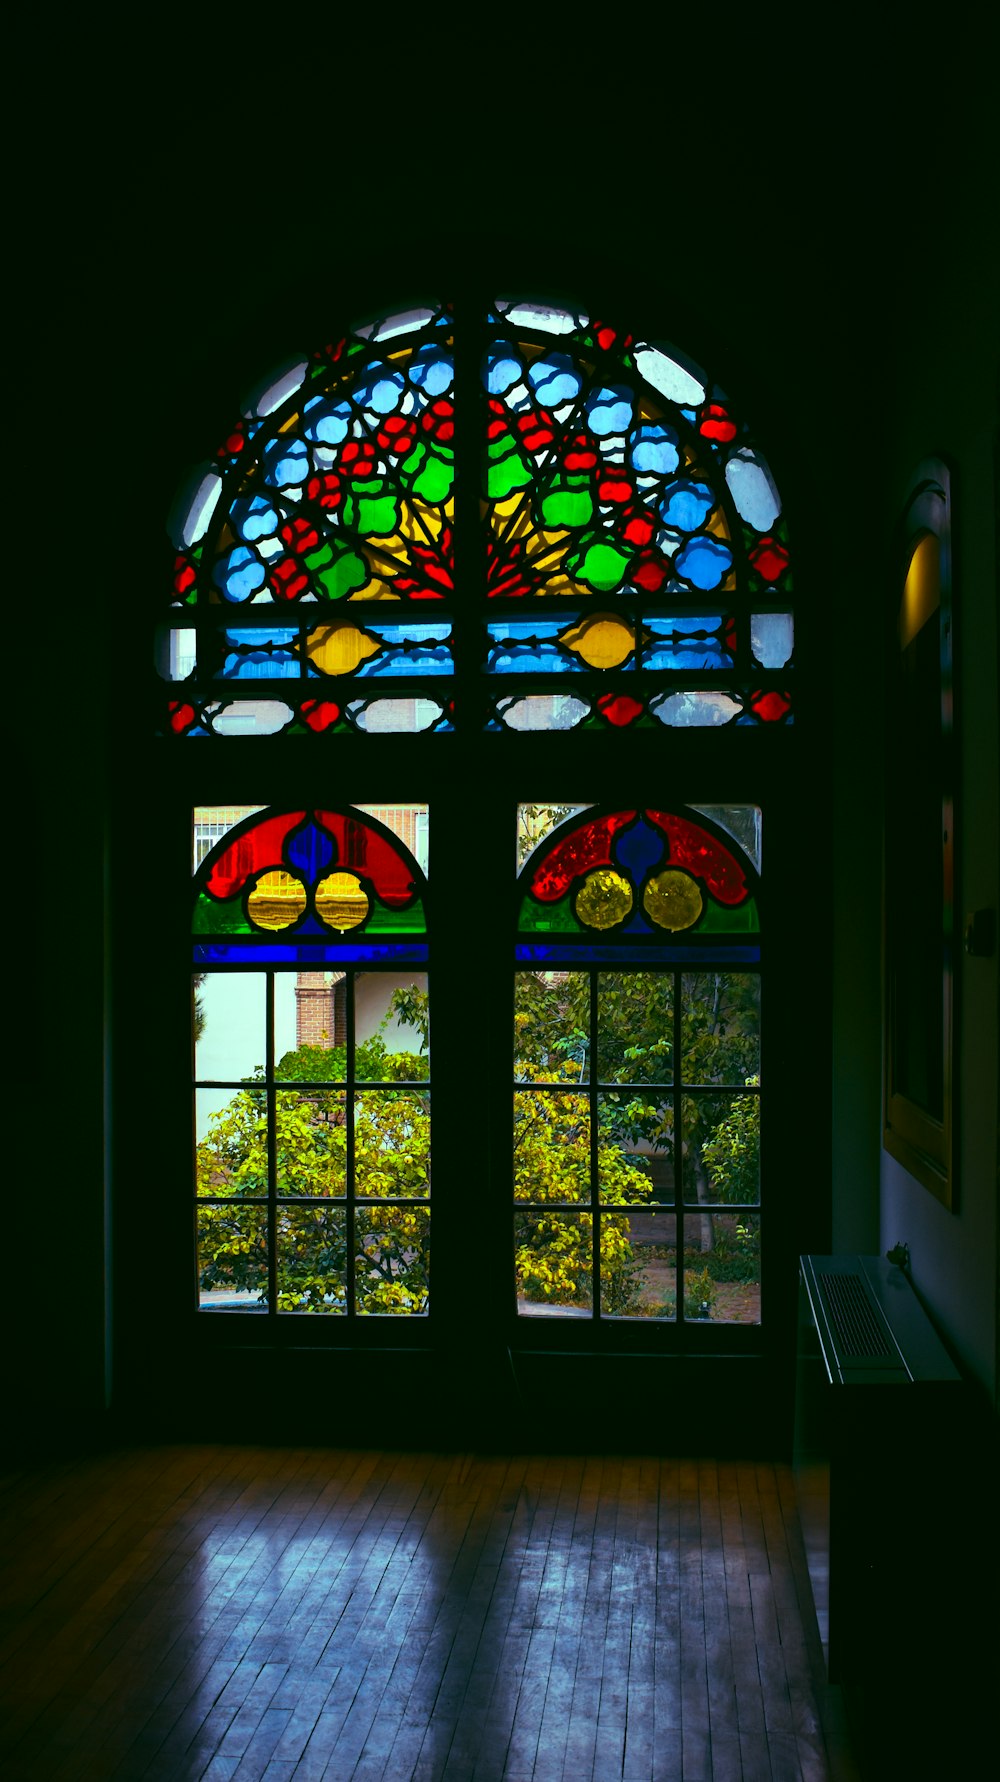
(669,1186)
(313,1184)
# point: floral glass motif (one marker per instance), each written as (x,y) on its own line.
(617,475)
(333,488)
(624,502)
(308,886)
(638,877)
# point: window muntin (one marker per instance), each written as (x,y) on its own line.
(312,1069)
(637,1072)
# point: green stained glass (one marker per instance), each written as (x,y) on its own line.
(211,917)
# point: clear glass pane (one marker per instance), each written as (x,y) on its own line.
(311,1143)
(228,1025)
(635,1149)
(392,1144)
(232,1257)
(553,1258)
(213,821)
(536,821)
(721,1149)
(551,1024)
(312,1259)
(741,821)
(720,1027)
(391,1027)
(638,1265)
(310,1026)
(231,1142)
(551,1146)
(634,1027)
(392,1259)
(733,1268)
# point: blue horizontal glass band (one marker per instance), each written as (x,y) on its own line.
(287,953)
(622,953)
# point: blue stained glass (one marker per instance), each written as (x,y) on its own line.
(610,410)
(698,951)
(530,648)
(653,451)
(254,519)
(310,849)
(703,562)
(379,388)
(240,574)
(288,953)
(689,653)
(326,422)
(252,660)
(431,369)
(286,462)
(686,505)
(503,369)
(639,849)
(425,659)
(554,379)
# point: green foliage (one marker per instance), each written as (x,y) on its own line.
(732,1152)
(391,1156)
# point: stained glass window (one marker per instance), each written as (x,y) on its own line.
(629,566)
(312,1106)
(637,1069)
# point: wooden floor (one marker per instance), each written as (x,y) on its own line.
(228,1612)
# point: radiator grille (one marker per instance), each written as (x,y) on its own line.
(856,1325)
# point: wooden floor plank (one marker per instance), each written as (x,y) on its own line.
(287,1615)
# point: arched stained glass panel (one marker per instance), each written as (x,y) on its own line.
(631,566)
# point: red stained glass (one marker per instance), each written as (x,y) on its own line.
(439,420)
(716,424)
(650,571)
(639,529)
(692,847)
(358,461)
(769,558)
(619,709)
(505,574)
(587,847)
(300,536)
(617,488)
(363,850)
(234,444)
(771,707)
(181,717)
(184,576)
(258,850)
(287,580)
(581,454)
(606,337)
(319,714)
(325,490)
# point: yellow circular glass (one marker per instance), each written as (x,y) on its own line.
(277,900)
(672,900)
(340,901)
(604,899)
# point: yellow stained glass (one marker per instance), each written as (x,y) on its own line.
(604,899)
(340,648)
(602,641)
(277,900)
(673,900)
(340,901)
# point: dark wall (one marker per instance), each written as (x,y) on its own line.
(764,230)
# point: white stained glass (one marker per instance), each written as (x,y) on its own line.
(249,717)
(672,379)
(279,386)
(543,711)
(544,316)
(194,507)
(695,710)
(751,486)
(395,715)
(772,638)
